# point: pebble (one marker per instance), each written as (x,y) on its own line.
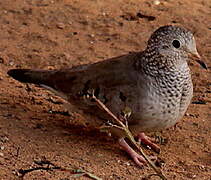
(11,63)
(60,25)
(127,163)
(92,35)
(156,2)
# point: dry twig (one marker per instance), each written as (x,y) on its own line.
(129,135)
(75,172)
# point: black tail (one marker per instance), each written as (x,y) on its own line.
(29,76)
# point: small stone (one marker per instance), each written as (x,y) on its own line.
(127,163)
(201,167)
(156,2)
(60,25)
(11,63)
(194,176)
(92,35)
(1,154)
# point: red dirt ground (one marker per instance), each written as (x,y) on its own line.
(58,33)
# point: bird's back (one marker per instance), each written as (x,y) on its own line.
(113,81)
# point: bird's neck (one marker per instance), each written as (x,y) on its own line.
(154,64)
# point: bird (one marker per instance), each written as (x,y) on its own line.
(154,84)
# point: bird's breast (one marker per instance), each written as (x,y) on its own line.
(158,105)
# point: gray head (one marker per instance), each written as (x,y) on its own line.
(174,43)
(173,39)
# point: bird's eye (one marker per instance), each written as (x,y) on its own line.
(176,44)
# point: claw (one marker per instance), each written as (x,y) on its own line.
(137,158)
(148,141)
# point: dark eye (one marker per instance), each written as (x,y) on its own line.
(176,44)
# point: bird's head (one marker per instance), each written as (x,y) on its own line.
(175,43)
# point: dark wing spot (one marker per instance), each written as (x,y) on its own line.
(97,92)
(151,107)
(73,78)
(105,99)
(122,97)
(86,87)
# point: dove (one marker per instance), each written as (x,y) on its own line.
(154,84)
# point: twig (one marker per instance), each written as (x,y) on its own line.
(129,136)
(76,173)
(23,172)
(85,173)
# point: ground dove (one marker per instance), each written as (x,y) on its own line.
(154,84)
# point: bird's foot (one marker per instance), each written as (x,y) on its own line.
(142,138)
(137,158)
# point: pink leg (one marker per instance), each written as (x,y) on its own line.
(138,159)
(148,141)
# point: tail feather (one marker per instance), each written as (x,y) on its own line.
(29,76)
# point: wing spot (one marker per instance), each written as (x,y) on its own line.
(86,87)
(97,92)
(122,97)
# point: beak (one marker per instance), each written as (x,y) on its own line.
(197,58)
(194,55)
